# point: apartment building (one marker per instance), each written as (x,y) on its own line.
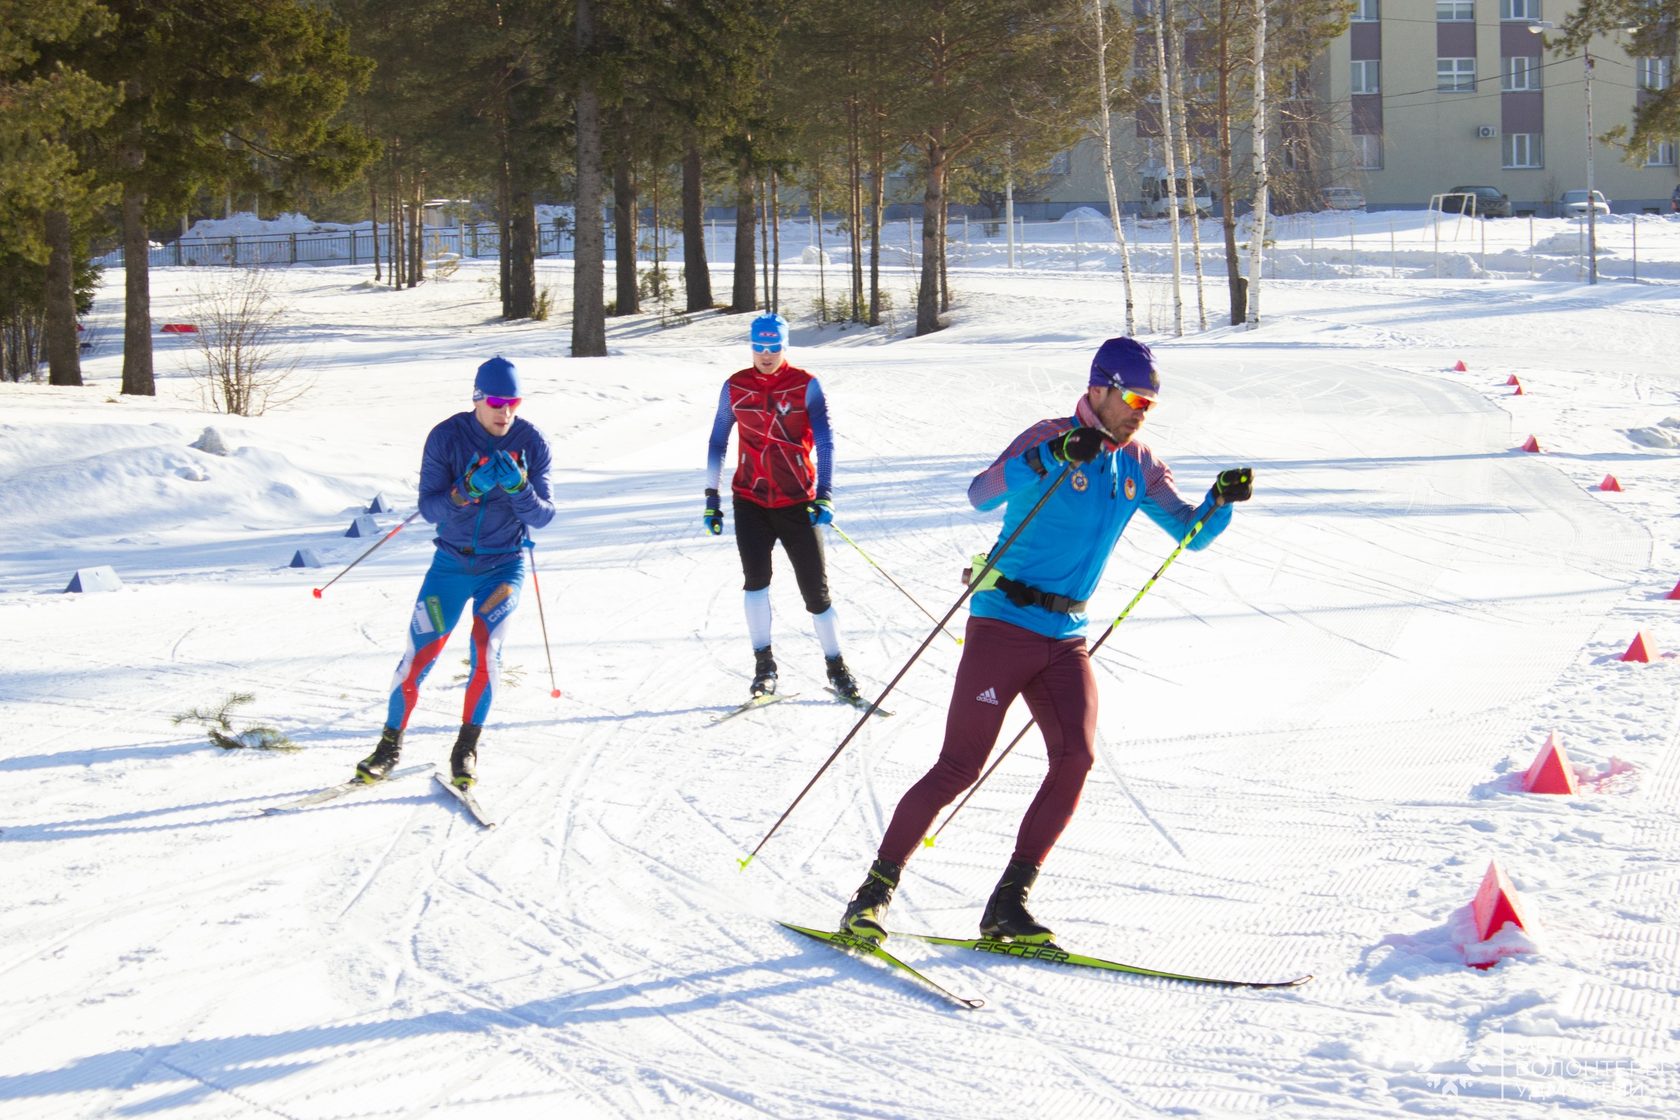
(1419,96)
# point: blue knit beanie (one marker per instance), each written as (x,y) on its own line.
(1126,363)
(496,378)
(770,330)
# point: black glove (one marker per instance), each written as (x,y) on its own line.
(1233,485)
(1078,445)
(712,519)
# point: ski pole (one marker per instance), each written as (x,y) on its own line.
(536,585)
(366,554)
(973,584)
(893,581)
(1095,646)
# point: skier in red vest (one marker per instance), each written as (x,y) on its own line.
(779,493)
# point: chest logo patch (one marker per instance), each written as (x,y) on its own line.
(1131,489)
(1080,482)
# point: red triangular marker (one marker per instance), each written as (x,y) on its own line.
(1518,384)
(1639,650)
(1512,380)
(1495,904)
(1610,483)
(1550,771)
(1461,367)
(1531,444)
(1675,594)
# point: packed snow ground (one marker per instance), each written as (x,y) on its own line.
(1310,745)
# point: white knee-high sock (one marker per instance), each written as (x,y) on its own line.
(758,617)
(828,632)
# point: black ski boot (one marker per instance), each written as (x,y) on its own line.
(845,685)
(866,913)
(1006,917)
(463,760)
(764,672)
(377,766)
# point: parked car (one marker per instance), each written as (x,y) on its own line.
(1575,203)
(1490,202)
(1341,198)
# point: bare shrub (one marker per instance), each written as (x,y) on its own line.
(240,365)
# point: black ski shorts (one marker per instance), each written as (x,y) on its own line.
(757,530)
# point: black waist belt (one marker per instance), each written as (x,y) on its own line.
(1023,596)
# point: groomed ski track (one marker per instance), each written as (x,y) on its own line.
(1306,736)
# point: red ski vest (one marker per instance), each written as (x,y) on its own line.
(774,436)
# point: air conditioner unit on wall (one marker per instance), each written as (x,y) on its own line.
(1486,132)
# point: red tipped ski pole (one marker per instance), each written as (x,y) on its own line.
(536,586)
(973,585)
(366,554)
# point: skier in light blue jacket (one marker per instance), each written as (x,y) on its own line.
(1026,627)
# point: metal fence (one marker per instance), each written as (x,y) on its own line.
(1321,246)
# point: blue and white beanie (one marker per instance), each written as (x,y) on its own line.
(770,330)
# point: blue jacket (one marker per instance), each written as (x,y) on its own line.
(1066,547)
(497,523)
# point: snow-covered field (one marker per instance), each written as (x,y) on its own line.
(1310,749)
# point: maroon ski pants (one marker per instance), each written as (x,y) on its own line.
(999,662)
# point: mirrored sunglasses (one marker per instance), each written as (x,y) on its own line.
(503,402)
(1136,400)
(767,348)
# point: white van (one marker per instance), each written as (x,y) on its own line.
(1157,192)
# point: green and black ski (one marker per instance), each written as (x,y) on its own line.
(867,947)
(1051,953)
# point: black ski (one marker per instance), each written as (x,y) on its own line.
(860,703)
(1055,954)
(866,947)
(754,704)
(466,798)
(343,789)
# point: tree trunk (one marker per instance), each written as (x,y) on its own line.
(1165,86)
(1181,124)
(64,360)
(520,299)
(697,273)
(624,220)
(878,204)
(1257,225)
(774,240)
(137,377)
(927,295)
(373,201)
(745,295)
(1115,213)
(416,232)
(589,320)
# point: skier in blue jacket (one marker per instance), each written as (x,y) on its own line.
(484,483)
(1026,626)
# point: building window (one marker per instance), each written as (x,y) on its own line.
(1655,73)
(1519,73)
(1455,11)
(1522,11)
(1367,75)
(1660,154)
(1368,11)
(1367,151)
(1522,149)
(1455,75)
